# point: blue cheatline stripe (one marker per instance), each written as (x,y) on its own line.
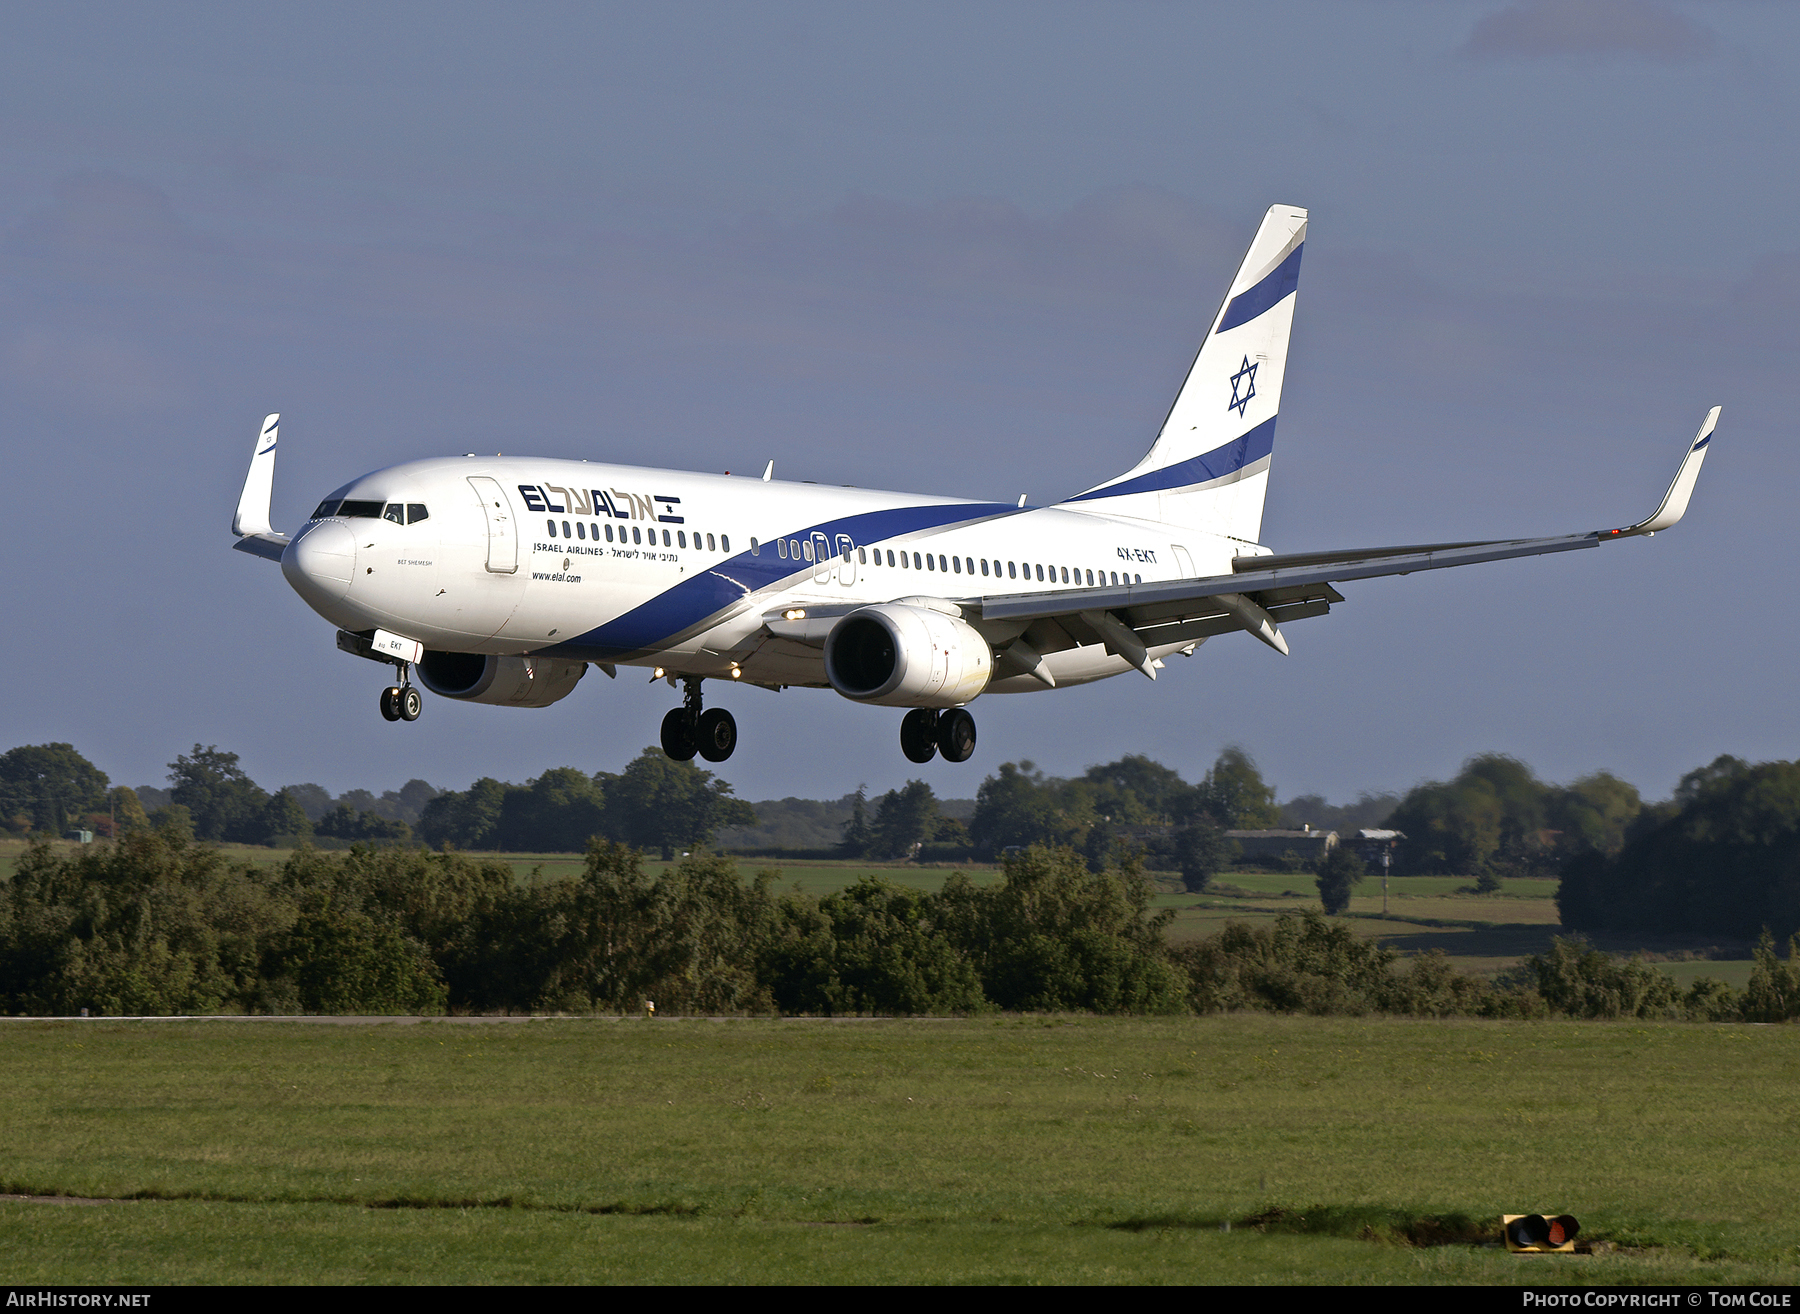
(675,611)
(1221,461)
(1247,305)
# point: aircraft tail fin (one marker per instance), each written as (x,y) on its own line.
(1209,467)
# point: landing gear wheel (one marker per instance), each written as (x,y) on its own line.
(678,735)
(409,705)
(918,735)
(390,703)
(717,734)
(956,735)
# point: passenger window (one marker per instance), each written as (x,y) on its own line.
(637,535)
(984,569)
(551,526)
(327,509)
(862,557)
(1090,576)
(890,556)
(930,562)
(609,533)
(957,562)
(681,538)
(917,564)
(1012,571)
(807,549)
(580,530)
(781,548)
(711,543)
(415,512)
(1065,574)
(667,541)
(1138,580)
(725,544)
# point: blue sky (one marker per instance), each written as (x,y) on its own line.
(953,248)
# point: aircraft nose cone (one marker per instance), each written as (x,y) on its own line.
(320,563)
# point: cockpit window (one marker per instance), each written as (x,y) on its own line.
(327,509)
(364,510)
(415,512)
(395,512)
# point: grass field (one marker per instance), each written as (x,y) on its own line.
(996,1150)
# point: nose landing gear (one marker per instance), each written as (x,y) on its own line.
(687,730)
(925,733)
(401,702)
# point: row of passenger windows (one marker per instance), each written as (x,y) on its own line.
(411,513)
(678,538)
(789,549)
(793,549)
(401,513)
(1044,574)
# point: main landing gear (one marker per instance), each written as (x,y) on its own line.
(687,730)
(924,733)
(401,702)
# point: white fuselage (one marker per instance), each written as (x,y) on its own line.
(660,568)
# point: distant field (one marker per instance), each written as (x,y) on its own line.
(990,1150)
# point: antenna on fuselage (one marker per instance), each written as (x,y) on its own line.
(769,470)
(1021,501)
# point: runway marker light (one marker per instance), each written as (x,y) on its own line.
(1540,1234)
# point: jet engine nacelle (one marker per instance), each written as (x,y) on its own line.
(508,681)
(894,655)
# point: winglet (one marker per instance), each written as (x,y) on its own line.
(1675,501)
(259,484)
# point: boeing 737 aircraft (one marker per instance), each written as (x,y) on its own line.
(501,580)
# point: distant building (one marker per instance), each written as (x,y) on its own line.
(1371,844)
(1306,844)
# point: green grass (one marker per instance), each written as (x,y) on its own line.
(985,1150)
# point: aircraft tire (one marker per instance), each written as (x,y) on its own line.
(678,735)
(956,735)
(716,734)
(410,704)
(390,703)
(918,735)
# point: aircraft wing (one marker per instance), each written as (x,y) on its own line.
(1261,592)
(251,521)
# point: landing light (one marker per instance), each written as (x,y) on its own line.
(795,613)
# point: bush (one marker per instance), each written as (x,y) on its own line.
(1339,873)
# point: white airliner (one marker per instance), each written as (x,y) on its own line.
(500,580)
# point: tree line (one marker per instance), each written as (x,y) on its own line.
(161,924)
(1721,857)
(653,803)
